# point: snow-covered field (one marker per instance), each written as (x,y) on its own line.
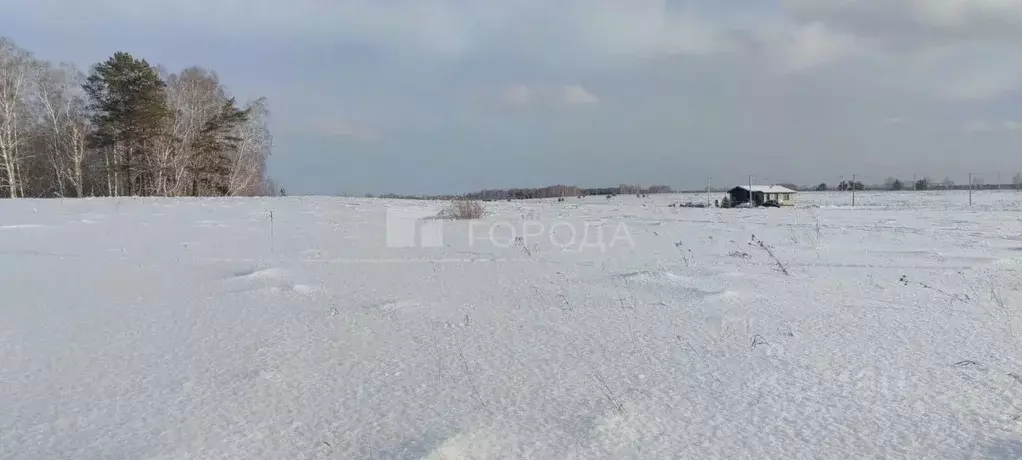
(192,329)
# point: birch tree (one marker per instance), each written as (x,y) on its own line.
(216,148)
(65,124)
(194,97)
(16,72)
(247,176)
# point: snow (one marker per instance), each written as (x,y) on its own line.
(172,329)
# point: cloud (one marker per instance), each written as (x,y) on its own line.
(549,96)
(966,71)
(440,27)
(937,16)
(978,126)
(797,36)
(806,46)
(690,85)
(960,50)
(982,85)
(593,30)
(987,126)
(641,28)
(958,14)
(518,95)
(577,95)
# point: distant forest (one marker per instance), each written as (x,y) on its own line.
(127,128)
(895,184)
(557,191)
(553,191)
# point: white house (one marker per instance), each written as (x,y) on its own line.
(762,193)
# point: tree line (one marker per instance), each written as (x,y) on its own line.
(552,191)
(557,191)
(895,184)
(127,128)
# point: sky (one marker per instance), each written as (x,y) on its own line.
(448,96)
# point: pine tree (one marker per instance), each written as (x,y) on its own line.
(128,107)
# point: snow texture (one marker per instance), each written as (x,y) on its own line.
(189,329)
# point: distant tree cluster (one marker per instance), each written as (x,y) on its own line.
(557,191)
(553,191)
(893,184)
(850,185)
(126,129)
(625,189)
(659,189)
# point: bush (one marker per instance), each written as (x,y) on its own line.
(463,210)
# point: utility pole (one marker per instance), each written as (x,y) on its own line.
(970,189)
(750,190)
(854,185)
(708,191)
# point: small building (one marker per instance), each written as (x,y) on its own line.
(759,194)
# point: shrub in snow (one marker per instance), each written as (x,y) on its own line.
(463,209)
